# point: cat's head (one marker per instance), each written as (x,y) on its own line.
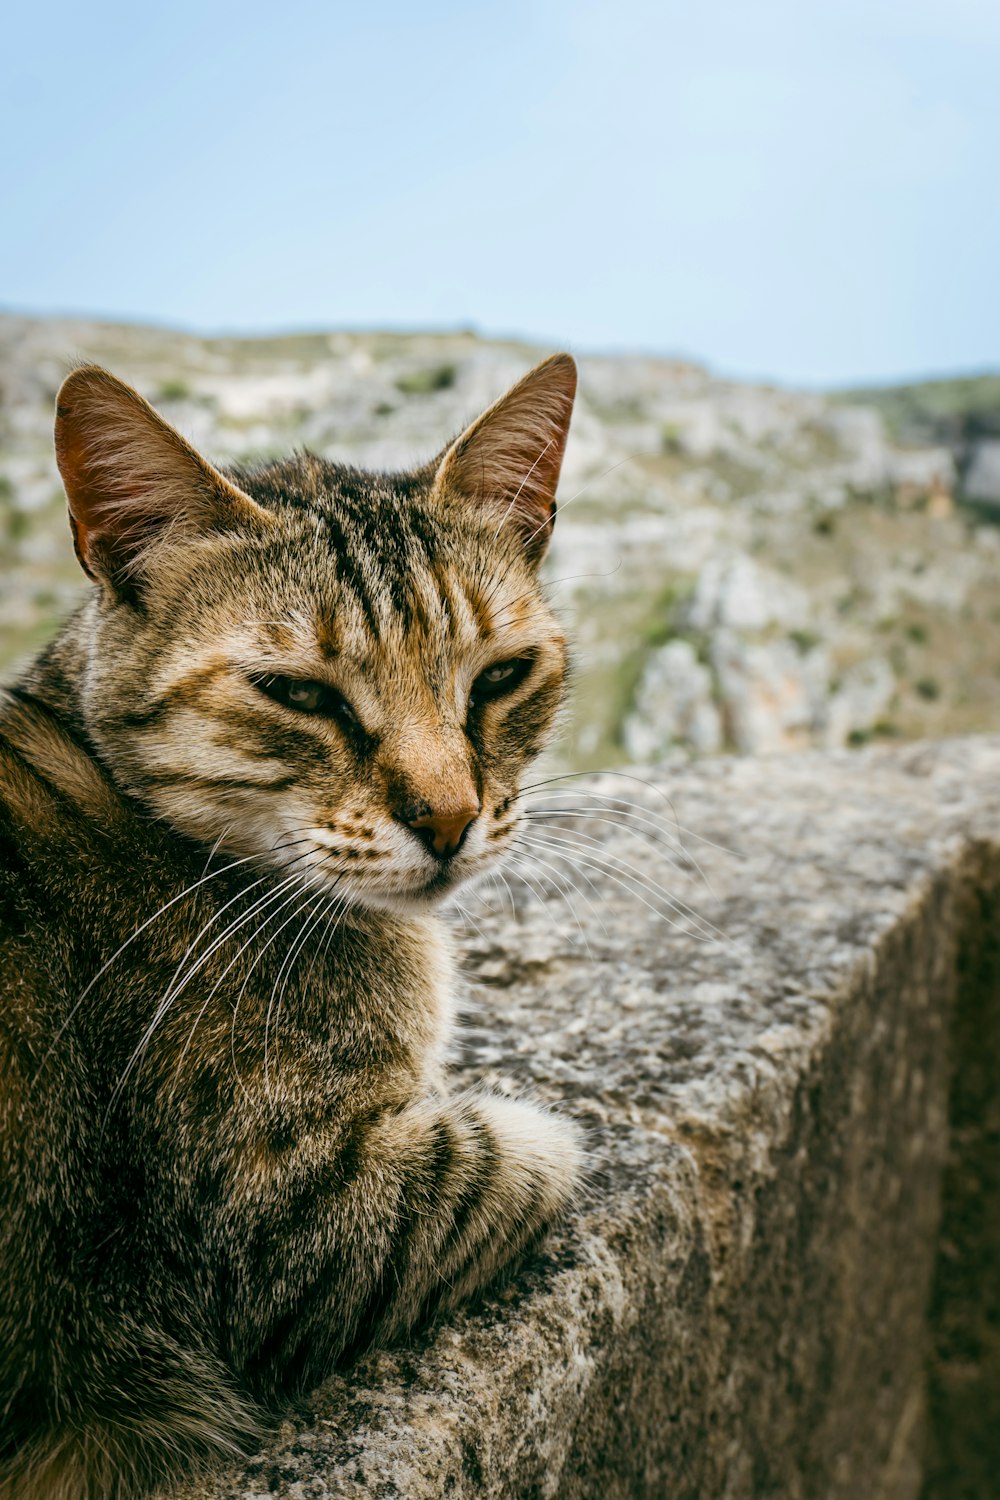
(345,672)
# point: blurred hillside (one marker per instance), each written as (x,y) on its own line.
(743,567)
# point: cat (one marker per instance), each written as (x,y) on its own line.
(291,717)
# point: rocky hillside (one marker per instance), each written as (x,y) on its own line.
(964,415)
(744,567)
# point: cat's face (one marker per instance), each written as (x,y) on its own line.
(346,672)
(369,721)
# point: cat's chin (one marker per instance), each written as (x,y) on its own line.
(417,900)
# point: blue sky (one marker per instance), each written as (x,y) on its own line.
(802,191)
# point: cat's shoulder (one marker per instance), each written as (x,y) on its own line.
(47,776)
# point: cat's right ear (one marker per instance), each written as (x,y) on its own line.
(133,482)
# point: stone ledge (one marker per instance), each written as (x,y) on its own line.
(740,1307)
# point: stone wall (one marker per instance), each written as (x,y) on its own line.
(783,1279)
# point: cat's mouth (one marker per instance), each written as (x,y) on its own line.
(401,879)
(405,890)
(443,880)
(408,900)
(419,897)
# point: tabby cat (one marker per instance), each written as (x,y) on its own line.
(289,719)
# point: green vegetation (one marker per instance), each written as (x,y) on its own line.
(741,479)
(664,619)
(426,382)
(936,411)
(15,524)
(882,729)
(173,390)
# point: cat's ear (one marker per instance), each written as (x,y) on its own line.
(132,481)
(509,459)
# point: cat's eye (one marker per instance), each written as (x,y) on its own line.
(308,697)
(503,677)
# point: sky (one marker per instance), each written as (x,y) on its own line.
(794,190)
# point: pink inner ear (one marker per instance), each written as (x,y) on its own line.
(85,493)
(108,524)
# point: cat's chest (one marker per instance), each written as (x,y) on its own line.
(312,1012)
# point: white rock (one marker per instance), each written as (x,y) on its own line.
(737,593)
(674,704)
(863,698)
(773,693)
(982,481)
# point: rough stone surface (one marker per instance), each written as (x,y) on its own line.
(739,1307)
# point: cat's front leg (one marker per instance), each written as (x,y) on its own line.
(478,1179)
(419,1208)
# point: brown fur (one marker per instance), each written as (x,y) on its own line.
(228,1157)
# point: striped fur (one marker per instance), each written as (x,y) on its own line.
(229,1161)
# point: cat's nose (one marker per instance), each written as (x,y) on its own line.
(442,832)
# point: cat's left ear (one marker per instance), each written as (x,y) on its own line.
(508,461)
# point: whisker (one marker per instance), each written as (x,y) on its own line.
(202,931)
(215,848)
(649,786)
(502,877)
(524,864)
(181,978)
(595,479)
(246,981)
(287,965)
(554,583)
(502,890)
(517,494)
(470,921)
(639,826)
(510,894)
(613,869)
(231,965)
(172,993)
(564,504)
(671,830)
(582,894)
(581,837)
(342,903)
(583,855)
(636,874)
(548,586)
(336,903)
(215,874)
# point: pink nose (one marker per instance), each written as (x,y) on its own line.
(443,832)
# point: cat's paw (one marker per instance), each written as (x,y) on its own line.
(541,1152)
